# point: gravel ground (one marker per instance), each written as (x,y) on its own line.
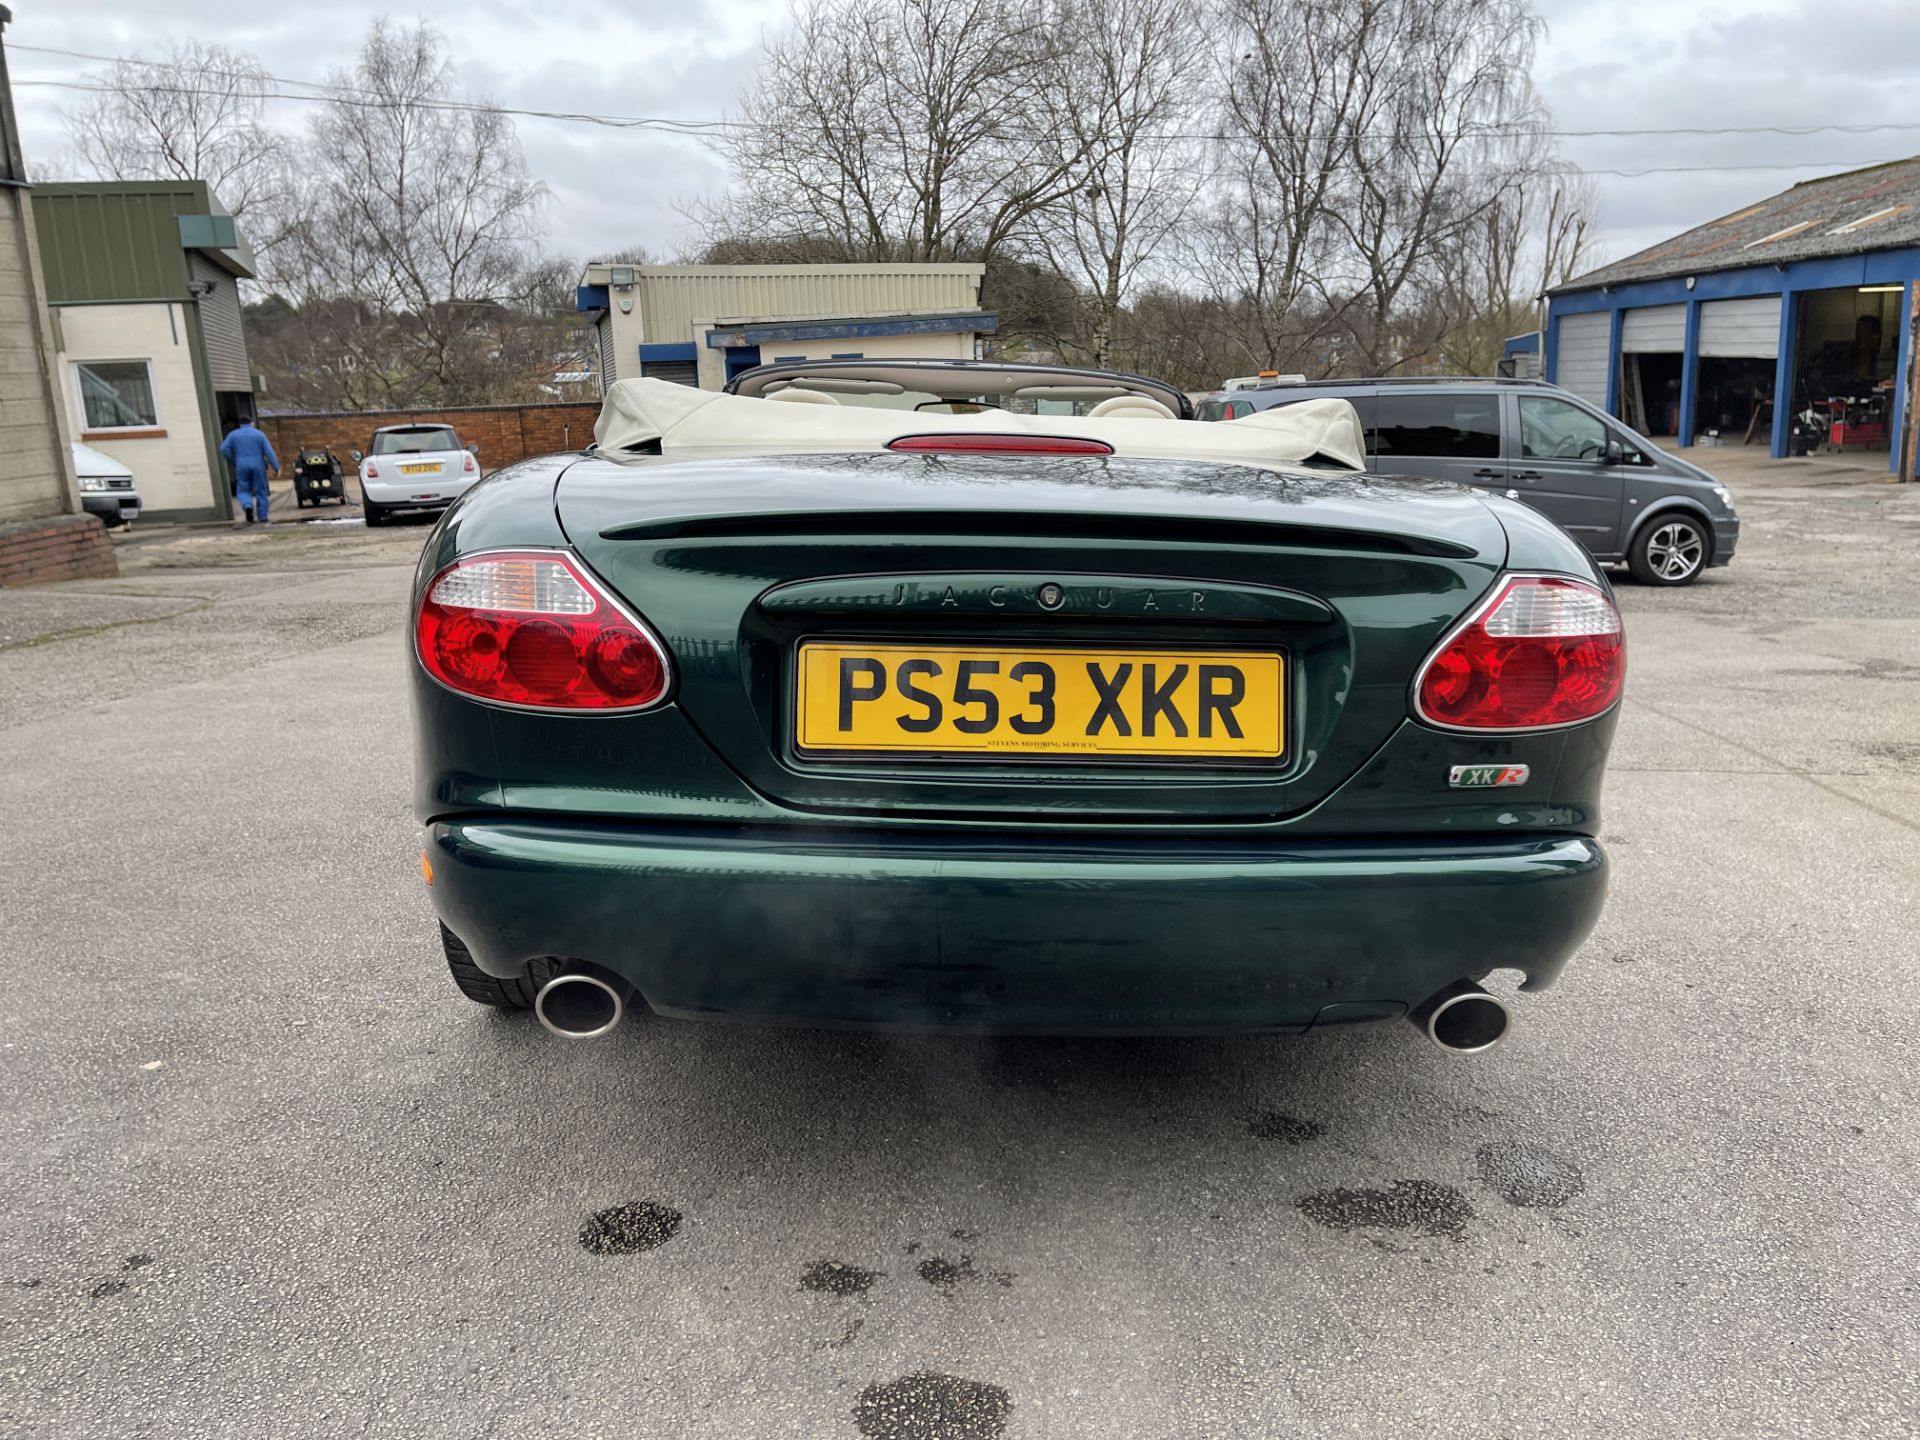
(270,1175)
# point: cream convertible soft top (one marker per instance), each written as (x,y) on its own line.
(688,421)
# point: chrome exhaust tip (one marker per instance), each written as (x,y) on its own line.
(579,1005)
(1463,1019)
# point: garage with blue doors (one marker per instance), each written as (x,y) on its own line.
(1789,323)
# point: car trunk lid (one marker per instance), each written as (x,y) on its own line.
(742,563)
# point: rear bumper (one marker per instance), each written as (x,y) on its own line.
(428,494)
(1007,932)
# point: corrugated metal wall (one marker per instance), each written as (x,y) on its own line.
(1654,330)
(1748,329)
(97,245)
(609,372)
(673,297)
(220,326)
(1581,362)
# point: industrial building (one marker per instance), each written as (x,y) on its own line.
(143,281)
(1789,323)
(703,324)
(43,533)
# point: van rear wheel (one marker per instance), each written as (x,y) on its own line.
(1671,549)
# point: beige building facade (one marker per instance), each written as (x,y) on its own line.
(703,324)
(36,465)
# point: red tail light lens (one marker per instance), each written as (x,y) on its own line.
(1543,651)
(467,464)
(533,628)
(372,474)
(1000,445)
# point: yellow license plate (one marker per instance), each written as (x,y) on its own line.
(418,469)
(960,700)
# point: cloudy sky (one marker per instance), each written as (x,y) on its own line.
(1606,65)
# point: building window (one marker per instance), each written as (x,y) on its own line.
(116,394)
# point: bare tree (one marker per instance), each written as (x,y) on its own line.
(899,130)
(1122,99)
(1298,85)
(196,115)
(1536,235)
(1429,161)
(1367,144)
(422,217)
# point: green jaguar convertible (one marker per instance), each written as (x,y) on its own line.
(1004,698)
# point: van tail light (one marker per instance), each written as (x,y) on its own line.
(962,444)
(1542,651)
(533,628)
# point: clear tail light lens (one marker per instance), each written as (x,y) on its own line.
(1543,651)
(467,465)
(371,472)
(533,628)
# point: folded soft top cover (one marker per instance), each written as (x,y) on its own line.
(682,420)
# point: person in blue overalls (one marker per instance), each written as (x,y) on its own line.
(251,455)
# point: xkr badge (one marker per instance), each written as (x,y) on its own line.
(1486,777)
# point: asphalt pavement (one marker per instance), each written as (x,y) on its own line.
(268,1174)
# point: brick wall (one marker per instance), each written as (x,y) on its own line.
(504,433)
(66,547)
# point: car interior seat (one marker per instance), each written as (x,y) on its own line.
(1131,407)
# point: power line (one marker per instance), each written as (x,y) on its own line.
(329,92)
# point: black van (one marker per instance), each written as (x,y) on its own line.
(1625,499)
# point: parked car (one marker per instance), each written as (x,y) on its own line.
(414,467)
(991,721)
(1616,492)
(107,487)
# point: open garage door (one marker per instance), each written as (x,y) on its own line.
(1739,340)
(1580,363)
(1652,341)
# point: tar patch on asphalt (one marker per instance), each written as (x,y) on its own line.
(835,1277)
(1522,1173)
(947,1275)
(629,1229)
(931,1406)
(116,1285)
(1407,1205)
(1285,1129)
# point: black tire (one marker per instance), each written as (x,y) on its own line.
(375,514)
(485,989)
(1672,548)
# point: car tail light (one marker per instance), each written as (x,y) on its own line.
(467,465)
(1000,445)
(370,472)
(533,628)
(1543,651)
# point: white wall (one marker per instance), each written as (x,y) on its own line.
(171,470)
(957,346)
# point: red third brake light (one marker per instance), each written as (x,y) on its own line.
(533,628)
(963,444)
(1543,651)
